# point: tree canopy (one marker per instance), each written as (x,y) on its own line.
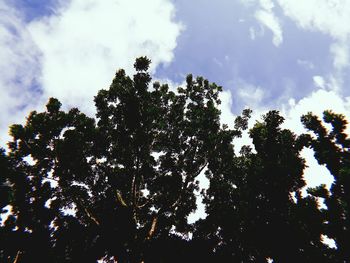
(120,187)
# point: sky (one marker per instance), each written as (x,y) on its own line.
(289,55)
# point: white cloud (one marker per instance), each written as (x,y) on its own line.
(268,19)
(330,17)
(252,33)
(267,4)
(199,213)
(340,52)
(250,94)
(256,32)
(330,83)
(319,81)
(19,66)
(76,51)
(226,117)
(315,174)
(87,41)
(317,102)
(306,64)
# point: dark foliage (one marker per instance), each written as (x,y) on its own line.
(121,186)
(332,149)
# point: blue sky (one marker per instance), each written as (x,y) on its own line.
(264,52)
(217,44)
(289,55)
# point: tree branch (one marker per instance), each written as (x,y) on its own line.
(93,218)
(186,184)
(17,256)
(153,228)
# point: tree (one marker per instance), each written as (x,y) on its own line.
(127,178)
(254,203)
(5,174)
(46,156)
(120,186)
(332,148)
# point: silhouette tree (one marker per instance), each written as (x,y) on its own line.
(332,148)
(255,208)
(120,186)
(5,174)
(85,190)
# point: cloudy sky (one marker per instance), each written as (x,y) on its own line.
(290,55)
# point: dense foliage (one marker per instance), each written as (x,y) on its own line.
(120,187)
